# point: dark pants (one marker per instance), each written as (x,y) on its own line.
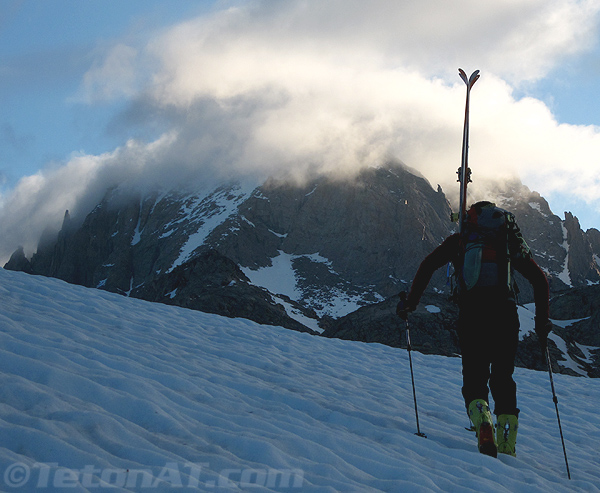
(488,331)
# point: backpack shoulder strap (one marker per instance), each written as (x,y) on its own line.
(518,248)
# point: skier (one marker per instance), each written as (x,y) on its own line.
(484,257)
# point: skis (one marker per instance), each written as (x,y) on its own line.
(464,172)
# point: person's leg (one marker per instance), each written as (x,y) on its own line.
(504,350)
(475,340)
(475,356)
(476,373)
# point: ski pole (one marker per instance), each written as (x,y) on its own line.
(412,377)
(464,172)
(555,399)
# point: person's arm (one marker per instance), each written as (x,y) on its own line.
(436,259)
(523,262)
(541,295)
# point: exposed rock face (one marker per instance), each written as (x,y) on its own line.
(213,283)
(110,251)
(583,267)
(359,240)
(304,255)
(593,236)
(432,326)
(19,262)
(543,231)
(372,231)
(581,306)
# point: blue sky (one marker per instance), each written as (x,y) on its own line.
(571,90)
(46,47)
(177,87)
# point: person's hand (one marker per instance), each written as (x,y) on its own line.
(543,326)
(403,308)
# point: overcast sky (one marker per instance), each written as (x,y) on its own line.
(101,91)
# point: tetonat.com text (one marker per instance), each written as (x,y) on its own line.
(173,475)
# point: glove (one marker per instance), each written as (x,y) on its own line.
(403,308)
(543,326)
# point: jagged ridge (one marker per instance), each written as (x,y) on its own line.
(297,255)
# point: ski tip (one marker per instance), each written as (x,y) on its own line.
(469,81)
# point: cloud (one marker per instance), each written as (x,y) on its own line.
(516,40)
(39,201)
(114,76)
(331,86)
(340,84)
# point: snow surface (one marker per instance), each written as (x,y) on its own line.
(103,392)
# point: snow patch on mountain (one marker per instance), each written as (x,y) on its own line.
(527,326)
(205,213)
(568,361)
(432,309)
(526,319)
(297,315)
(588,356)
(338,303)
(281,277)
(567,323)
(565,276)
(278,278)
(137,233)
(536,206)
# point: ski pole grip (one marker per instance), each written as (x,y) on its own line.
(402,307)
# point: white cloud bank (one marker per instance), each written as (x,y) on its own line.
(331,86)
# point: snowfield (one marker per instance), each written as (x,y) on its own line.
(103,392)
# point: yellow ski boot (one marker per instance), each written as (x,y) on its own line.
(481,417)
(506,434)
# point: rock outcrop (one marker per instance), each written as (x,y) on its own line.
(326,254)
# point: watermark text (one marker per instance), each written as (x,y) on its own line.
(172,474)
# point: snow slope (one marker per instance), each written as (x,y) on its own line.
(100,391)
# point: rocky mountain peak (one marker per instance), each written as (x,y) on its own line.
(302,254)
(583,267)
(19,262)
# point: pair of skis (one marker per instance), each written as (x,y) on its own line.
(464,172)
(464,177)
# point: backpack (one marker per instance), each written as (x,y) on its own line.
(490,239)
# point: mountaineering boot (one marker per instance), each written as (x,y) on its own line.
(506,434)
(481,417)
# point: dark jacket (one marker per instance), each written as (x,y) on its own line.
(450,251)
